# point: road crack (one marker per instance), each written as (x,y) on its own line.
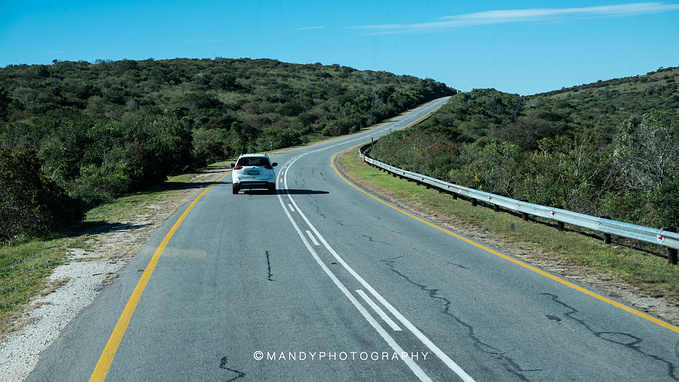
(620,338)
(507,362)
(371,240)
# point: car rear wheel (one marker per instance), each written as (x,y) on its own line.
(235,190)
(272,189)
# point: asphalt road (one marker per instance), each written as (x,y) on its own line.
(322,282)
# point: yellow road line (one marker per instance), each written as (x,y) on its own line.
(111,348)
(519,262)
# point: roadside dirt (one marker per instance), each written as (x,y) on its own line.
(607,284)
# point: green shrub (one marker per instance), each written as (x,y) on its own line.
(31,205)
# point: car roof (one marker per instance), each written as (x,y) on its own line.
(253,155)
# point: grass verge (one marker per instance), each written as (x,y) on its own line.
(574,251)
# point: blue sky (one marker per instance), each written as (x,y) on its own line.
(517,46)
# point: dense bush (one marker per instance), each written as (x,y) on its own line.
(608,149)
(30,204)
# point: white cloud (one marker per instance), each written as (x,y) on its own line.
(202,41)
(308,28)
(521,16)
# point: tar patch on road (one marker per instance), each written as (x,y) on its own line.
(268,266)
(553,318)
(236,374)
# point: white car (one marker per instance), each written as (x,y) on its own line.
(254,171)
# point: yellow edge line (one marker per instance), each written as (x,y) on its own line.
(521,263)
(111,348)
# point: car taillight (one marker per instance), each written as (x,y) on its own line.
(268,167)
(238,167)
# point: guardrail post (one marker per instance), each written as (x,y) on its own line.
(524,215)
(671,252)
(473,202)
(607,236)
(496,208)
(559,224)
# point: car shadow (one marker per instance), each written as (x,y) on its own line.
(297,191)
(284,191)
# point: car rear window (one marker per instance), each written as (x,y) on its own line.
(253,162)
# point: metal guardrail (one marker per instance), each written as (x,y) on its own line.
(611,227)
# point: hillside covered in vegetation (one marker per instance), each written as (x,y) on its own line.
(609,148)
(74,134)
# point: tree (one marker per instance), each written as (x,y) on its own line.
(646,151)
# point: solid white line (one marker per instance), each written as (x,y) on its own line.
(408,361)
(379,310)
(452,365)
(313,239)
